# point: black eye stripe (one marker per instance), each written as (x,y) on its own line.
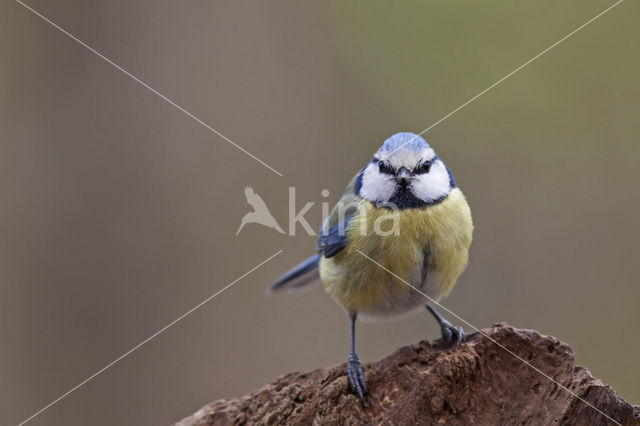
(423,167)
(385,168)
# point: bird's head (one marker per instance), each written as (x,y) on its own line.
(405,172)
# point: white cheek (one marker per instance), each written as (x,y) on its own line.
(433,185)
(376,186)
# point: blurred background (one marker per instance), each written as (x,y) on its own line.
(118,213)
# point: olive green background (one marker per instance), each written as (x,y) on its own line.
(118,213)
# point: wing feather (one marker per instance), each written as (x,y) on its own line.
(298,278)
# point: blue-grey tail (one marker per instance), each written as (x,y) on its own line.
(298,278)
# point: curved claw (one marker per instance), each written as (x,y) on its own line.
(446,334)
(451,332)
(356,376)
(460,333)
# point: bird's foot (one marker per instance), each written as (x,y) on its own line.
(356,377)
(451,333)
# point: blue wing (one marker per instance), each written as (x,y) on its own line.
(333,240)
(330,242)
(300,276)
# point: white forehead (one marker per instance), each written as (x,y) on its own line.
(407,158)
(405,150)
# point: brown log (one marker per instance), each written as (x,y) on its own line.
(429,383)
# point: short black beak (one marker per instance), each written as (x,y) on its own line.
(403,176)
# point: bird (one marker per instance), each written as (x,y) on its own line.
(378,271)
(260,213)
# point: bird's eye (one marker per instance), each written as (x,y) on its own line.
(423,168)
(385,168)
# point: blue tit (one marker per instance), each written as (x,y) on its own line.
(401,213)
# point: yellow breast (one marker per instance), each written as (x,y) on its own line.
(442,231)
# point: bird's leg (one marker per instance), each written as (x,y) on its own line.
(354,367)
(450,333)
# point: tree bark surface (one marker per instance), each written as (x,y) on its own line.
(479,383)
